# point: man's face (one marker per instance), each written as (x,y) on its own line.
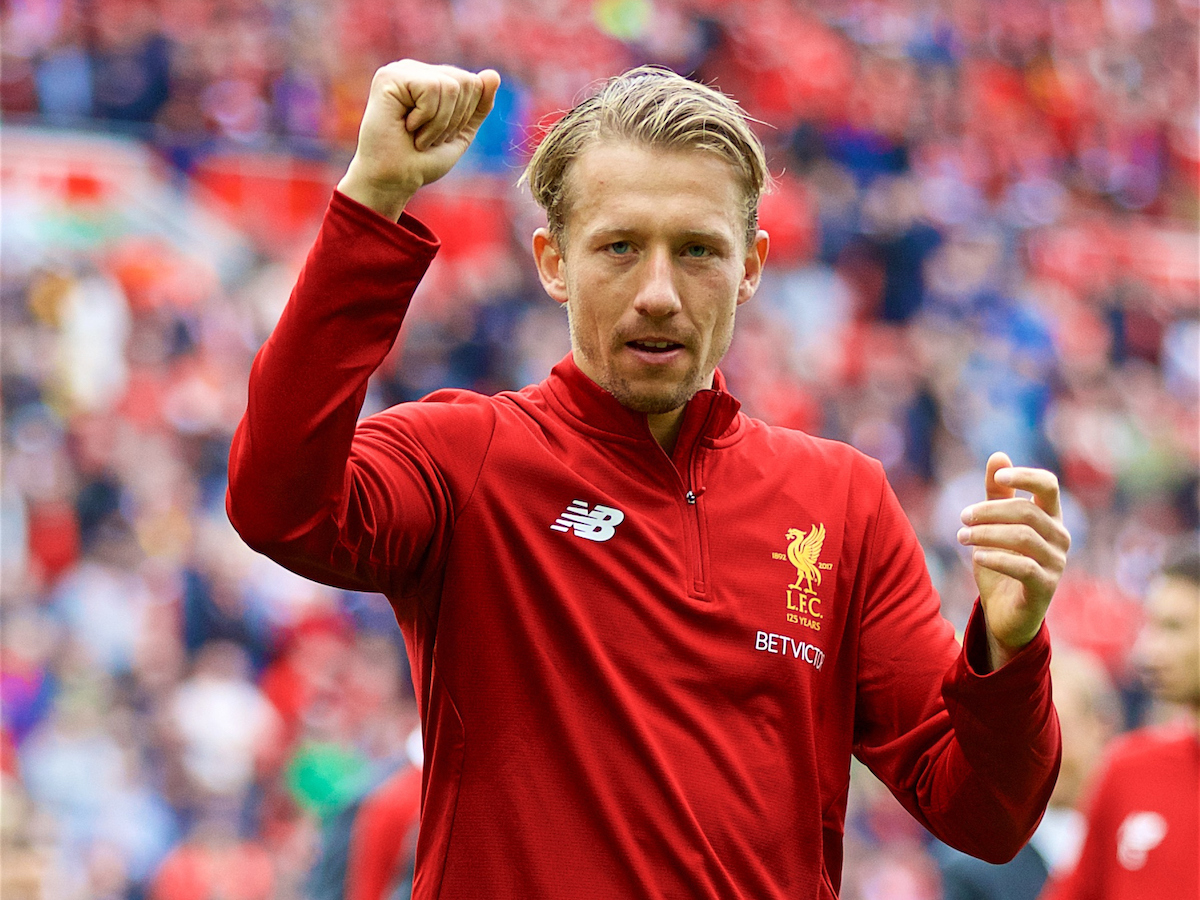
(654,265)
(1168,648)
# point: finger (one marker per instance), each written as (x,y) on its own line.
(431,132)
(1016,539)
(1038,581)
(490,83)
(1042,484)
(421,99)
(995,490)
(413,104)
(468,99)
(1018,511)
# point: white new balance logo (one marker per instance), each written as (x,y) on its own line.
(596,524)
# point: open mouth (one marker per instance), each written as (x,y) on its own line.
(654,346)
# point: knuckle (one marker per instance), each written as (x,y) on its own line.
(1025,512)
(398,67)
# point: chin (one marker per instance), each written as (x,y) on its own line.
(653,407)
(652,400)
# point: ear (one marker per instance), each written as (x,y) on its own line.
(756,258)
(550,264)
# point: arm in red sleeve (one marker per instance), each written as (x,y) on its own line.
(362,506)
(972,756)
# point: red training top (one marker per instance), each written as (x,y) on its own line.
(639,675)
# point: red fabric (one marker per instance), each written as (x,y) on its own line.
(1143,822)
(53,536)
(788,214)
(200,872)
(1095,615)
(308,671)
(668,710)
(383,836)
(9,762)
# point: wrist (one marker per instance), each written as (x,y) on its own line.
(1001,652)
(998,653)
(386,198)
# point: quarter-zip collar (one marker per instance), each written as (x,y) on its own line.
(710,414)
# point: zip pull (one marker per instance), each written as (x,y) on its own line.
(691,497)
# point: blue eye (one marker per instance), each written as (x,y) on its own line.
(697,251)
(620,247)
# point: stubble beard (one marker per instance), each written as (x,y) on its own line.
(667,397)
(652,403)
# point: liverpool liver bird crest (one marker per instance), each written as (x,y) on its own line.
(803,552)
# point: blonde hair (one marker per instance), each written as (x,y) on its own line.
(656,108)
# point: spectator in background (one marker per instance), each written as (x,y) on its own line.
(384,841)
(215,862)
(131,65)
(228,732)
(1143,818)
(368,849)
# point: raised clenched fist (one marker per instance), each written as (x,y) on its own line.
(419,120)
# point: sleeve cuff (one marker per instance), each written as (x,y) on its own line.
(407,231)
(1006,711)
(1029,662)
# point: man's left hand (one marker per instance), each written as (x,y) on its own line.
(1018,552)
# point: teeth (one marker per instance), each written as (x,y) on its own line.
(658,345)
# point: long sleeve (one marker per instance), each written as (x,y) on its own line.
(358,505)
(976,762)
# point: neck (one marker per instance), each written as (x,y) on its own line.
(665,427)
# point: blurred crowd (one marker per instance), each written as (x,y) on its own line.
(984,236)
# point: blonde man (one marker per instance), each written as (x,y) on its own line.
(647,632)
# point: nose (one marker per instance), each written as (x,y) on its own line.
(657,295)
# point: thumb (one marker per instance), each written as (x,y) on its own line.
(996,491)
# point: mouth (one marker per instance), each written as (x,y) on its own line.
(654,346)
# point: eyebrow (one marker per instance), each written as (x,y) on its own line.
(616,232)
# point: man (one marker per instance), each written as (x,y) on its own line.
(1143,817)
(646,631)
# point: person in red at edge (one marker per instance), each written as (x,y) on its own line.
(381,843)
(1143,812)
(647,632)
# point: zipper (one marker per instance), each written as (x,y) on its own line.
(685,476)
(699,585)
(698,588)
